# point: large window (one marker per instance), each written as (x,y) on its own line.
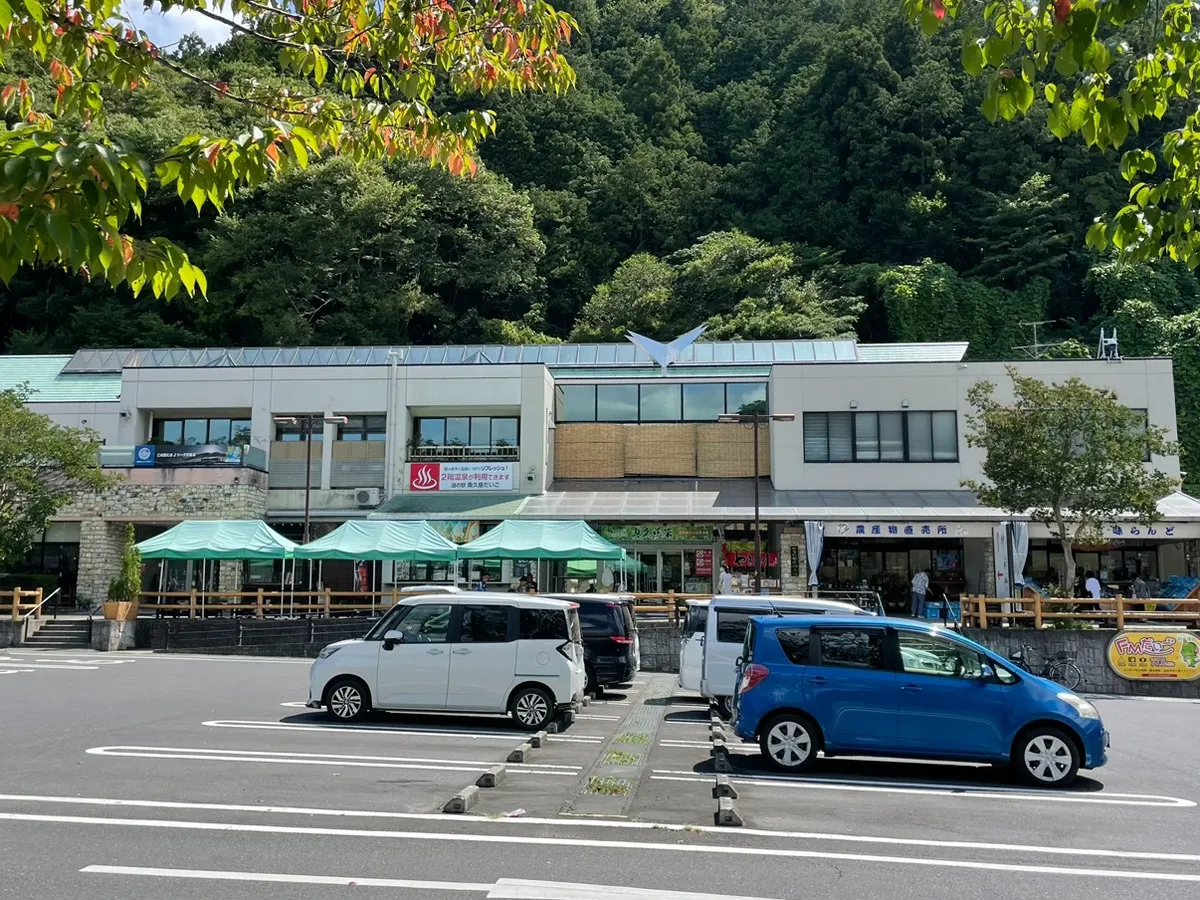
(851,648)
(363,428)
(657,401)
(467,431)
(881,437)
(176,432)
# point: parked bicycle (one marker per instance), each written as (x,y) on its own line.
(1059,668)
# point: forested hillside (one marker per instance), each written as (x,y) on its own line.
(774,168)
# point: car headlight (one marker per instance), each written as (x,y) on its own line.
(328,652)
(1081,706)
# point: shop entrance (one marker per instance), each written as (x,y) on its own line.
(679,569)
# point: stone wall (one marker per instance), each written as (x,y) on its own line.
(251,637)
(1090,649)
(103,516)
(658,643)
(793,536)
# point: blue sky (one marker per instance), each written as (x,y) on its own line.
(165,29)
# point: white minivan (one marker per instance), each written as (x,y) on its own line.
(470,652)
(691,645)
(725,630)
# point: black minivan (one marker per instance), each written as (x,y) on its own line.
(610,638)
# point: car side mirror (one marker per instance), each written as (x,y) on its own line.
(986,672)
(392,638)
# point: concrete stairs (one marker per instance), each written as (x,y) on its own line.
(60,634)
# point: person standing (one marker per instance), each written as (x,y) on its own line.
(1092,586)
(482,584)
(920,587)
(726,581)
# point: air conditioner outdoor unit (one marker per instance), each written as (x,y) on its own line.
(367,496)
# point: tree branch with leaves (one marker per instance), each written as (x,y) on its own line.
(367,81)
(1069,456)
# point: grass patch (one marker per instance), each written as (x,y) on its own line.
(633,737)
(609,785)
(621,758)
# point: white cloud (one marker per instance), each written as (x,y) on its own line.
(165,29)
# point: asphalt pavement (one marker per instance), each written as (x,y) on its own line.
(151,775)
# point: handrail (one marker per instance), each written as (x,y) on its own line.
(1110,609)
(40,604)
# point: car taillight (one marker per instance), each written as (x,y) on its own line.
(621,639)
(751,676)
(567,649)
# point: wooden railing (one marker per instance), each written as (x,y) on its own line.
(19,601)
(263,604)
(1110,612)
(670,602)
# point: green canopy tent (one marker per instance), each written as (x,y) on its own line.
(586,568)
(540,540)
(209,539)
(379,540)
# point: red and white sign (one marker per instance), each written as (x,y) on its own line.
(458,476)
(703,562)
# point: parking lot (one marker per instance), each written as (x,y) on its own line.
(125,770)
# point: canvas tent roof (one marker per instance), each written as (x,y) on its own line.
(380,539)
(514,539)
(218,539)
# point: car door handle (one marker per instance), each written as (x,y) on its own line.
(911,688)
(817,679)
(461,651)
(435,652)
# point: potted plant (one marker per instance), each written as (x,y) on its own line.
(124,590)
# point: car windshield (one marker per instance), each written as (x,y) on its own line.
(386,624)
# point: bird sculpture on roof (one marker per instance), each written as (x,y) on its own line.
(666,354)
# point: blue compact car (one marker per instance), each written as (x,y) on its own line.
(900,688)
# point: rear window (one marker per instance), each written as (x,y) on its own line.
(627,618)
(696,621)
(599,617)
(731,624)
(544,625)
(854,648)
(794,643)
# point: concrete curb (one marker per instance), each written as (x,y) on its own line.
(463,800)
(493,777)
(727,814)
(538,740)
(724,788)
(520,754)
(721,763)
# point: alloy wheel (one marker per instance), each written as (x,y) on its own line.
(345,701)
(1048,758)
(532,708)
(789,743)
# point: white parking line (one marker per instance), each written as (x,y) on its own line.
(598,718)
(14,671)
(459,837)
(935,789)
(398,731)
(29,667)
(621,824)
(327,759)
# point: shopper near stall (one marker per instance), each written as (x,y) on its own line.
(920,587)
(726,581)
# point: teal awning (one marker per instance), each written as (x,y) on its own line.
(514,539)
(218,539)
(586,568)
(380,539)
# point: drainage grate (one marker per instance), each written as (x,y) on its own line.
(607,785)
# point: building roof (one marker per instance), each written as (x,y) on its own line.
(47,382)
(412,505)
(559,356)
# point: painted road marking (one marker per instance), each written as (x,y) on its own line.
(398,731)
(328,759)
(989,792)
(29,667)
(14,671)
(623,824)
(598,718)
(504,889)
(459,837)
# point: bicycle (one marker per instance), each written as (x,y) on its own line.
(1059,668)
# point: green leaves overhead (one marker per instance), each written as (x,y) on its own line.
(1107,67)
(361,80)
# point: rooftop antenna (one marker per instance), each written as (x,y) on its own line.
(1037,349)
(1108,348)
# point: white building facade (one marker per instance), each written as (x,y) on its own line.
(860,490)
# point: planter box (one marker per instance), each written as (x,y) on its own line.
(120,611)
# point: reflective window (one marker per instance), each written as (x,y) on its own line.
(504,432)
(731,624)
(458,431)
(794,642)
(660,403)
(481,431)
(200,431)
(484,624)
(739,395)
(920,437)
(881,436)
(924,654)
(543,625)
(431,432)
(577,403)
(945,436)
(218,431)
(703,402)
(195,431)
(854,648)
(466,431)
(616,403)
(363,428)
(168,432)
(428,623)
(287,431)
(841,437)
(891,436)
(866,436)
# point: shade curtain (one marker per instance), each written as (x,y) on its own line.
(1020,551)
(814,540)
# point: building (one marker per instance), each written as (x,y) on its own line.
(863,486)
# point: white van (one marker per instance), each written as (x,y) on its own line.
(691,645)
(466,652)
(725,631)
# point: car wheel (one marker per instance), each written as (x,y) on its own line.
(1046,756)
(725,708)
(531,708)
(592,687)
(790,742)
(348,700)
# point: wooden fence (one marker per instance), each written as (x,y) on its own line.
(263,604)
(18,602)
(1110,612)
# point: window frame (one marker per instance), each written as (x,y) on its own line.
(361,426)
(594,416)
(419,442)
(511,622)
(902,633)
(906,435)
(157,427)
